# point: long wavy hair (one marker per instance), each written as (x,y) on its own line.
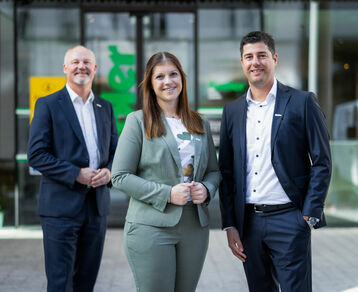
(153,123)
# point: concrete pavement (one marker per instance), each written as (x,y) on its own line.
(335,263)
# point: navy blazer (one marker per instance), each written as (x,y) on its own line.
(58,150)
(300,154)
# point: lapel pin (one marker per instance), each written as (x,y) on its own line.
(97,104)
(278,115)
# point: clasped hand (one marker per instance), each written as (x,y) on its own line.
(180,193)
(94,178)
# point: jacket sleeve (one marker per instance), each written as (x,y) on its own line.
(226,190)
(212,175)
(125,167)
(40,148)
(319,150)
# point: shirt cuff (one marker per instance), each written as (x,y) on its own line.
(227,228)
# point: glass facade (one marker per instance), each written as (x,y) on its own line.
(205,38)
(338,88)
(7,115)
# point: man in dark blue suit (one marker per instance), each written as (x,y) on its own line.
(276,167)
(72,142)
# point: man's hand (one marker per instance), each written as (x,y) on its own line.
(198,192)
(307,218)
(235,244)
(85,176)
(102,177)
(179,194)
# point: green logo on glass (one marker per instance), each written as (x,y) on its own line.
(121,98)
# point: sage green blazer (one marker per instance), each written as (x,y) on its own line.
(147,169)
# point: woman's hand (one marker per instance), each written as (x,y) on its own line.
(179,194)
(198,192)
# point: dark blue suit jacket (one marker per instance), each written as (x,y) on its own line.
(300,154)
(57,149)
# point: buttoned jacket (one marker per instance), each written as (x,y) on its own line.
(146,170)
(58,150)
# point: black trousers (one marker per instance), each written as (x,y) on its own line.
(278,249)
(73,248)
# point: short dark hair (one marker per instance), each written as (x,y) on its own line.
(257,37)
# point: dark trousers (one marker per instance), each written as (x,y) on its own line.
(73,248)
(278,249)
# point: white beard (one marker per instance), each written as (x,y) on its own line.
(81,81)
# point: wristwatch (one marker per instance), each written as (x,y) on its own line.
(312,221)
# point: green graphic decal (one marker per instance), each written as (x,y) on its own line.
(121,82)
(230,86)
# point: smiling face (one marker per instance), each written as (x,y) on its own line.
(80,66)
(259,65)
(167,83)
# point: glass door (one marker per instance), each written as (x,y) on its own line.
(123,42)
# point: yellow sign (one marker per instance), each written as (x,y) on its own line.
(42,86)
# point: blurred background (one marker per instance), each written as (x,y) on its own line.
(316,41)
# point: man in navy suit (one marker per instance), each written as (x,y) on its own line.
(72,142)
(276,167)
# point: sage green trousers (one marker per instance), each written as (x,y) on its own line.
(167,259)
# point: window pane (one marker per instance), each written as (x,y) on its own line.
(172,32)
(339,82)
(7,114)
(221,78)
(288,24)
(112,37)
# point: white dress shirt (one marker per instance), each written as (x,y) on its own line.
(263,186)
(85,115)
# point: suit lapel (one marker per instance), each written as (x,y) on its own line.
(66,105)
(171,142)
(240,125)
(198,144)
(98,113)
(282,98)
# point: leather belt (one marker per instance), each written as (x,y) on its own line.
(268,208)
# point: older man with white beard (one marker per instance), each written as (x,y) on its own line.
(72,141)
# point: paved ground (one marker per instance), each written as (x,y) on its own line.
(335,263)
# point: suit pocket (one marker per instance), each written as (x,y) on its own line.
(130,228)
(302,222)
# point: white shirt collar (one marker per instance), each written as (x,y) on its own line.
(74,95)
(270,97)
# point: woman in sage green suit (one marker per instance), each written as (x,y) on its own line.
(166,163)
